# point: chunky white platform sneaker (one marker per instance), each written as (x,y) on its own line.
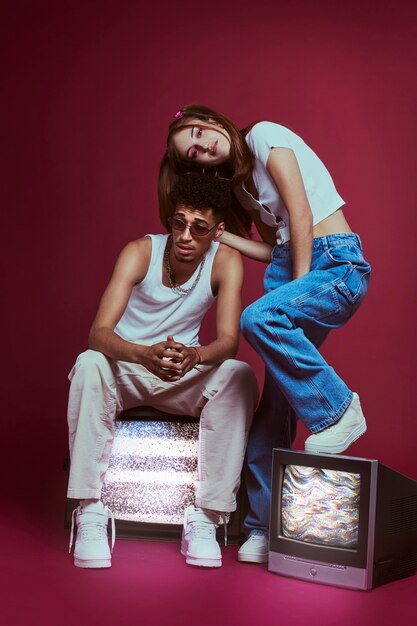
(198,543)
(255,548)
(337,438)
(91,544)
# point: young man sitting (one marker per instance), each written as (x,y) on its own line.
(145,350)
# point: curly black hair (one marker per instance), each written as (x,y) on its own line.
(203,191)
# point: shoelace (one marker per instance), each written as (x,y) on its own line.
(257,533)
(88,528)
(225,518)
(203,530)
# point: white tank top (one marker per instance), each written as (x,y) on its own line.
(155,311)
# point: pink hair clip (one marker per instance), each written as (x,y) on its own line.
(179,115)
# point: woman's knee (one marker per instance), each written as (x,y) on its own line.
(252,319)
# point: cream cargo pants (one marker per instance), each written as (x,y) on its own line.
(224,397)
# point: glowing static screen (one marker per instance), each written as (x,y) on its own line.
(152,471)
(320,506)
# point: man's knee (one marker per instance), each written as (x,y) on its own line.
(234,368)
(240,374)
(91,363)
(91,358)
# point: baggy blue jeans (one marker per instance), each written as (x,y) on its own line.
(286,327)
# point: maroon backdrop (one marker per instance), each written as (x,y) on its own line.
(89,88)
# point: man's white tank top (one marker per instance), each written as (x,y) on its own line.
(155,311)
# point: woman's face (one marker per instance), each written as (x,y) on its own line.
(205,143)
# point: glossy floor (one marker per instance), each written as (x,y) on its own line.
(149,584)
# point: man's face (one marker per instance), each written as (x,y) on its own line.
(190,239)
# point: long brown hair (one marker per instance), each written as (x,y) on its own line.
(237,168)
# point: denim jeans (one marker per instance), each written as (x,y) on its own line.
(286,327)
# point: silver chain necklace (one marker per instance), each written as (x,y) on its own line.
(172,282)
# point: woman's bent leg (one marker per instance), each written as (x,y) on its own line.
(286,327)
(288,324)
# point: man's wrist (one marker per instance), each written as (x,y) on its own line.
(198,353)
(139,353)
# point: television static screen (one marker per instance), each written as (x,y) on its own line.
(320,506)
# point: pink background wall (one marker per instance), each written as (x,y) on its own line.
(89,89)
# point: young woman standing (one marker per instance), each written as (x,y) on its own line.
(315,280)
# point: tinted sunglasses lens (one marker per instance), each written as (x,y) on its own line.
(176,223)
(195,229)
(199,231)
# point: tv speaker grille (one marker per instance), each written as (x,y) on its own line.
(393,569)
(403,514)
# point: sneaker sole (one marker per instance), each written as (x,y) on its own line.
(92,563)
(191,560)
(337,449)
(252,558)
(203,562)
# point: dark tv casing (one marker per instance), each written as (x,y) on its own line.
(387,533)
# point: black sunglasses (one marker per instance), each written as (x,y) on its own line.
(197,230)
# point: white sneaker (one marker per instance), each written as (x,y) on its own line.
(255,548)
(198,543)
(91,545)
(339,436)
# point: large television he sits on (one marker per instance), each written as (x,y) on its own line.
(341,520)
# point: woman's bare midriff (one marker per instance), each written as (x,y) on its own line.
(335,223)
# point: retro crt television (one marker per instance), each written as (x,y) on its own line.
(341,520)
(152,475)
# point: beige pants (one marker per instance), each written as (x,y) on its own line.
(224,397)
